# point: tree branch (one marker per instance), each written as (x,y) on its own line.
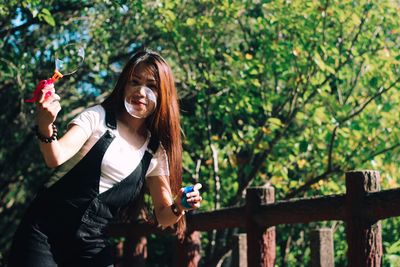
(365,104)
(330,149)
(309,183)
(377,153)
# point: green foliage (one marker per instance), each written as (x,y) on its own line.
(391,244)
(279,92)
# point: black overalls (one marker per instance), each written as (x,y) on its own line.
(65,224)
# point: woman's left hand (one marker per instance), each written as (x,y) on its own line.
(193,198)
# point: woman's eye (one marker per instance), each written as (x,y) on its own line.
(153,87)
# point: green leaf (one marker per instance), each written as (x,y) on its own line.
(190,21)
(45,11)
(321,64)
(47,17)
(373,82)
(303,146)
(274,123)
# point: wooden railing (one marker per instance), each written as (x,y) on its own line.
(361,208)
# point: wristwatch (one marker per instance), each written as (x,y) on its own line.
(176,210)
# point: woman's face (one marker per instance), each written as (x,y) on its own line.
(140,92)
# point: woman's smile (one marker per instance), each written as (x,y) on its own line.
(139,101)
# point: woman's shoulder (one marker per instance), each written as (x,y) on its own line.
(95,109)
(96,112)
(90,118)
(159,163)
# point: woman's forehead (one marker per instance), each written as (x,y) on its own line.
(144,71)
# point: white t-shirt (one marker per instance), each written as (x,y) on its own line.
(120,159)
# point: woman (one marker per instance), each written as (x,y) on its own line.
(110,151)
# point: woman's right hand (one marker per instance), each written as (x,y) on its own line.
(47,109)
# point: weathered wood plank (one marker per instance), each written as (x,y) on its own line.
(364,236)
(261,248)
(302,211)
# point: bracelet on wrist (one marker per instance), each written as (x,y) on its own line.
(45,139)
(175,210)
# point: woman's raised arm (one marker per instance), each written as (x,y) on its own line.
(56,152)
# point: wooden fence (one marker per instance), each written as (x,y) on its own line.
(361,208)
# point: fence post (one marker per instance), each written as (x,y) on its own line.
(118,253)
(135,251)
(322,248)
(239,252)
(364,235)
(188,251)
(260,241)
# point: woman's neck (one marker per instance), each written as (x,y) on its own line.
(133,125)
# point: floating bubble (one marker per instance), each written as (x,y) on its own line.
(69,58)
(140,102)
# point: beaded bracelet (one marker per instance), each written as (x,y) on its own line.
(45,139)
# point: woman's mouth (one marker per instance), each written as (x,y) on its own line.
(139,102)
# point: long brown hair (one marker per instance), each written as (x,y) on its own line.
(164,123)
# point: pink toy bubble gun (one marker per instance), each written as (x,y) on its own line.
(186,190)
(68,59)
(42,84)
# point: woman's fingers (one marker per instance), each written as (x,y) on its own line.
(192,194)
(48,109)
(51,101)
(47,91)
(48,106)
(195,199)
(197,187)
(195,191)
(195,202)
(55,98)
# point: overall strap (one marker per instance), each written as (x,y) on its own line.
(111,121)
(153,145)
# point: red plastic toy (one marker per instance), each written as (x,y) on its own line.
(42,84)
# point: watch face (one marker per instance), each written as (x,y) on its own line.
(175,210)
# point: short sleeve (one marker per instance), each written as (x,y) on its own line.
(89,119)
(159,163)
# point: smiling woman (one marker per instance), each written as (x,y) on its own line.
(109,155)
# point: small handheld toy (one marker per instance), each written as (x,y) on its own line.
(189,189)
(68,59)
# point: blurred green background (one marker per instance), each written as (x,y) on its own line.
(290,93)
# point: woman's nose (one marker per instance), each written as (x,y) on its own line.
(142,91)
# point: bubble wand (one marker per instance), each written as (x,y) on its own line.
(68,59)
